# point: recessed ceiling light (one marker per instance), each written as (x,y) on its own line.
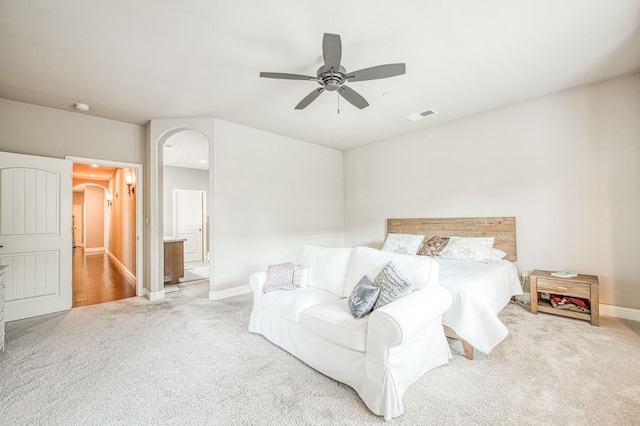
(82,107)
(94,165)
(386,94)
(420,115)
(169,147)
(92,175)
(203,161)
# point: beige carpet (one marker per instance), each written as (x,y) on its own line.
(191,361)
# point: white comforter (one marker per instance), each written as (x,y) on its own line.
(480,291)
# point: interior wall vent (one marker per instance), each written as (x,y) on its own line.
(420,115)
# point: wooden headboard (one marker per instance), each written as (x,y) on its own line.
(503,229)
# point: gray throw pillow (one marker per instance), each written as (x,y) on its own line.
(362,298)
(392,284)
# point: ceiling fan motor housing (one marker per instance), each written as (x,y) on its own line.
(331,80)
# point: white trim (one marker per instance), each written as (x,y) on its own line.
(140,194)
(94,250)
(154,295)
(122,268)
(158,131)
(229,292)
(620,312)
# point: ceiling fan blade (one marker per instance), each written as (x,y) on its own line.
(332,51)
(309,98)
(285,76)
(380,71)
(353,97)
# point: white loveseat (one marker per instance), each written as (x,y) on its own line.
(379,355)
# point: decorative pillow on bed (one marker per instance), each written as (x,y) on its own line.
(468,248)
(392,284)
(362,298)
(497,255)
(279,277)
(402,243)
(433,246)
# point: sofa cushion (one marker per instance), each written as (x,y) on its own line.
(290,304)
(421,271)
(327,267)
(334,322)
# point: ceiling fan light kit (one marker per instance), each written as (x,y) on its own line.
(332,76)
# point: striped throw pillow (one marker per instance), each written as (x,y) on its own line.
(392,284)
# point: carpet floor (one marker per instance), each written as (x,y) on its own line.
(187,360)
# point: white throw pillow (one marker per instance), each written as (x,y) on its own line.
(327,267)
(301,277)
(468,248)
(402,243)
(497,255)
(421,271)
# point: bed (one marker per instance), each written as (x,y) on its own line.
(480,289)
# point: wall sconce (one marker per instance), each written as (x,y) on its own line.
(128,179)
(108,198)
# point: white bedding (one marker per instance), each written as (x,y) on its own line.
(480,291)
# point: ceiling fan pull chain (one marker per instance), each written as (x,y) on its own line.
(338,102)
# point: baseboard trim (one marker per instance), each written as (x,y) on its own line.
(122,268)
(620,312)
(154,295)
(230,292)
(94,250)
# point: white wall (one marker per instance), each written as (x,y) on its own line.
(273,195)
(35,130)
(566,165)
(180,178)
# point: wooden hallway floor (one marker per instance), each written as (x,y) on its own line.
(96,279)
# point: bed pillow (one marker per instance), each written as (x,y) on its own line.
(402,243)
(362,298)
(392,284)
(279,277)
(433,246)
(497,255)
(468,248)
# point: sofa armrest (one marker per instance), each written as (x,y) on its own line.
(398,321)
(256,281)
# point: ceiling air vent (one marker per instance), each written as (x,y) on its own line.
(420,115)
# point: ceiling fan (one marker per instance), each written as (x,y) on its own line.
(332,76)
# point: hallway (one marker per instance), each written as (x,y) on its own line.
(96,279)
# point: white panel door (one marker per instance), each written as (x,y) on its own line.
(35,234)
(189,222)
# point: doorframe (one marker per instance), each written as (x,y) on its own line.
(139,210)
(81,206)
(203,217)
(158,131)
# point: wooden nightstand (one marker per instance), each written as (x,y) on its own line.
(582,286)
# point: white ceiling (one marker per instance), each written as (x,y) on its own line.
(137,60)
(188,148)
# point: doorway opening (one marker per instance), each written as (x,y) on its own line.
(107,215)
(185,182)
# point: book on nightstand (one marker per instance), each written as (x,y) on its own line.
(564,274)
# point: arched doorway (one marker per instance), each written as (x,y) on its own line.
(161,131)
